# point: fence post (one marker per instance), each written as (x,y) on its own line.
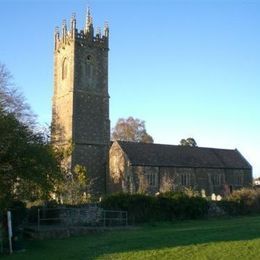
(10,231)
(1,235)
(1,242)
(38,220)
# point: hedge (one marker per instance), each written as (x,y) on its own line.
(169,206)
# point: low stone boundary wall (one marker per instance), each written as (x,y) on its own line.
(56,233)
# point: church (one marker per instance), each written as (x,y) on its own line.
(80,115)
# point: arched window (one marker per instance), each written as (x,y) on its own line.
(64,68)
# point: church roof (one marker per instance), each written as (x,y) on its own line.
(144,154)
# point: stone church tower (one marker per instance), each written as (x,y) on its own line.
(80,111)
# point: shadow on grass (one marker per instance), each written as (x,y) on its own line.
(148,237)
(166,235)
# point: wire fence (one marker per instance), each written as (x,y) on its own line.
(76,217)
(49,222)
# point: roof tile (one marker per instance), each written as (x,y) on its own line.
(182,156)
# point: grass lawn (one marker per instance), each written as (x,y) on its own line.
(233,238)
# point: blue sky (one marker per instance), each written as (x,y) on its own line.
(188,68)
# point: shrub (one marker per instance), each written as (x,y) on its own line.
(241,202)
(196,207)
(229,207)
(140,207)
(167,206)
(52,204)
(215,210)
(166,210)
(181,205)
(19,213)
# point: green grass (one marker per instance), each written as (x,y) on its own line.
(234,238)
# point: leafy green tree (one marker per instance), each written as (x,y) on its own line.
(188,142)
(29,168)
(132,130)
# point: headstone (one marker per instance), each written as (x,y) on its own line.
(213,196)
(219,198)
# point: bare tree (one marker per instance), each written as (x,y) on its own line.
(12,100)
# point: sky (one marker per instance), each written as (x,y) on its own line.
(188,68)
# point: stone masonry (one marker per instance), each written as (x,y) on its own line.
(80,116)
(153,168)
(80,111)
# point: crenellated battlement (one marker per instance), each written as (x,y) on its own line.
(84,37)
(81,99)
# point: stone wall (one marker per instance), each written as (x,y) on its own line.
(210,180)
(135,179)
(91,125)
(62,102)
(89,216)
(118,170)
(81,101)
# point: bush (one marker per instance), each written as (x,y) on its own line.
(181,206)
(167,206)
(140,207)
(242,202)
(196,207)
(19,213)
(229,207)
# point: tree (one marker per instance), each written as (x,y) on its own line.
(12,100)
(75,187)
(132,130)
(188,142)
(29,166)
